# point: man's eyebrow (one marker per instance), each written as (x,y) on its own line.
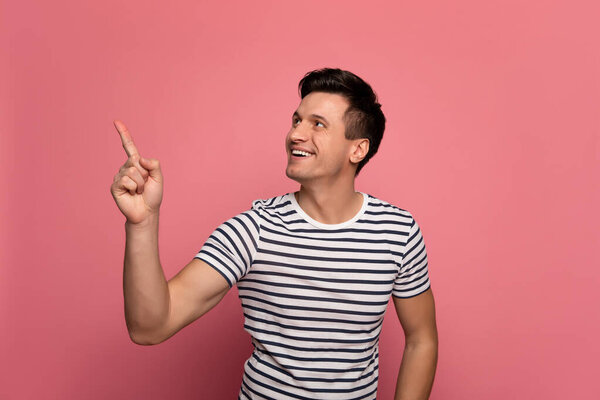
(315,116)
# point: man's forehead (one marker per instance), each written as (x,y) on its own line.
(330,105)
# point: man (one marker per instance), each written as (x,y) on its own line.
(315,269)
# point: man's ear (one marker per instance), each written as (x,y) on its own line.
(359,150)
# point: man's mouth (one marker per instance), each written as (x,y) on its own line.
(300,153)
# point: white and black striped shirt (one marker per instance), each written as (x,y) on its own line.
(314,295)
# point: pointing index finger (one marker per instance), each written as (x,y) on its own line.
(126,139)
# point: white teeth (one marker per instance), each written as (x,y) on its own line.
(301,153)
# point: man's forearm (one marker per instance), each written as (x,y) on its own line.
(145,287)
(417,370)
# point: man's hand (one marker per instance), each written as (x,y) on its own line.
(138,186)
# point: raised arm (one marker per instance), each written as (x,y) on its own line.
(154,308)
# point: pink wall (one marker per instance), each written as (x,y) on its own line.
(492,142)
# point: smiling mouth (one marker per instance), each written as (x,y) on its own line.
(301,154)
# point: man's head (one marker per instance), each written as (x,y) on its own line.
(353,130)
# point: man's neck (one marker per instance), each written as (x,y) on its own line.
(330,204)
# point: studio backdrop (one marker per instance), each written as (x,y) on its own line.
(492,143)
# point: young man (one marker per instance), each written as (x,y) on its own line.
(315,269)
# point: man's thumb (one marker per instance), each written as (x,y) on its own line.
(151,165)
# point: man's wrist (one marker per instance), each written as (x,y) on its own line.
(149,222)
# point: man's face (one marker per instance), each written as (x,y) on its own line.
(318,128)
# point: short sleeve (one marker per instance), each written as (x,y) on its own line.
(231,248)
(413,276)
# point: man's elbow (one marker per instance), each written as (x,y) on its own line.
(144,339)
(423,345)
(425,341)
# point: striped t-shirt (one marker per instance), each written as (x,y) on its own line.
(314,295)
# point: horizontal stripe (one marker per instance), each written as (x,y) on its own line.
(307,339)
(331,239)
(317,288)
(312,319)
(317,349)
(322,248)
(310,328)
(313,379)
(313,298)
(315,278)
(326,259)
(325,269)
(313,309)
(314,390)
(314,359)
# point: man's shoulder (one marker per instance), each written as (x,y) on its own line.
(271,203)
(259,211)
(382,207)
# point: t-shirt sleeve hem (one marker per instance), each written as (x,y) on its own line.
(425,288)
(217,269)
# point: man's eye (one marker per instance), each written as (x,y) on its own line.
(319,122)
(295,121)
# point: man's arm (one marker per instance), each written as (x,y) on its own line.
(417,370)
(193,292)
(156,309)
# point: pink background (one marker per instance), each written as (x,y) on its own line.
(492,143)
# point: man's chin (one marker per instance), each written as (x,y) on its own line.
(296,177)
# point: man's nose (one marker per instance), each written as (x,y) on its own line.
(299,133)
